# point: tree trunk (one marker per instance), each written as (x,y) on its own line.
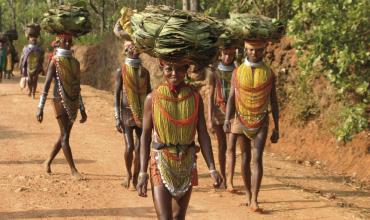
(278,9)
(1,18)
(100,13)
(194,5)
(185,5)
(11,4)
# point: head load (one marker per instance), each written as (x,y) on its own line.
(32,30)
(12,34)
(3,38)
(72,20)
(255,30)
(173,35)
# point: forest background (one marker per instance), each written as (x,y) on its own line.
(330,37)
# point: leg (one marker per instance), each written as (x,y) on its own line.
(138,132)
(66,125)
(34,86)
(245,148)
(181,205)
(231,157)
(221,138)
(162,202)
(129,151)
(29,84)
(54,152)
(259,145)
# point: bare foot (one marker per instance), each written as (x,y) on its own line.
(77,176)
(47,167)
(126,182)
(231,189)
(255,208)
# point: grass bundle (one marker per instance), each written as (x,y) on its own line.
(67,19)
(247,26)
(173,35)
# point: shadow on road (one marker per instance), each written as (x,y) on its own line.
(56,161)
(137,212)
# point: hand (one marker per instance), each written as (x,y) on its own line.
(119,126)
(210,125)
(227,126)
(142,185)
(40,114)
(274,136)
(215,175)
(83,117)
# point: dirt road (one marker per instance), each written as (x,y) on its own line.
(289,190)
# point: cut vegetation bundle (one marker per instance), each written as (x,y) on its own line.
(247,26)
(32,30)
(67,19)
(173,35)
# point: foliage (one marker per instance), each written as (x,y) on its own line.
(303,100)
(333,36)
(271,8)
(353,121)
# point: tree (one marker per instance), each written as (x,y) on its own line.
(11,4)
(185,5)
(194,5)
(100,13)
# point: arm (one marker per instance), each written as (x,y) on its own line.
(120,33)
(275,113)
(205,144)
(49,78)
(146,139)
(41,61)
(117,101)
(211,97)
(148,83)
(230,109)
(82,110)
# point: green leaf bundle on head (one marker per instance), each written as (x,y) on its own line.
(3,38)
(248,26)
(32,30)
(174,35)
(228,40)
(12,34)
(67,19)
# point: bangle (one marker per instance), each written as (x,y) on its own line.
(143,174)
(42,100)
(212,171)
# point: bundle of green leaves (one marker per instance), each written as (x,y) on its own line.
(32,29)
(12,34)
(248,26)
(173,35)
(3,38)
(67,19)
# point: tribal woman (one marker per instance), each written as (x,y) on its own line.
(252,90)
(31,61)
(174,112)
(219,89)
(64,69)
(132,87)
